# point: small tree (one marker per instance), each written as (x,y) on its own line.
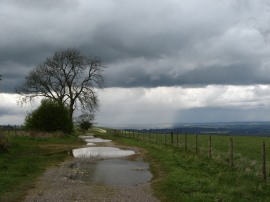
(85,121)
(50,116)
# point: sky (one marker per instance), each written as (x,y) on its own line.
(167,61)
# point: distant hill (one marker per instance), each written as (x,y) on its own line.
(230,128)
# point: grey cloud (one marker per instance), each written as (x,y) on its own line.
(235,74)
(212,114)
(12,76)
(172,43)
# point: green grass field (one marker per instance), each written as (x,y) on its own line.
(26,159)
(180,175)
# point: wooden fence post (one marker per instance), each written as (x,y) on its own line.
(165,138)
(177,139)
(209,146)
(185,142)
(196,144)
(231,152)
(156,136)
(171,137)
(264,178)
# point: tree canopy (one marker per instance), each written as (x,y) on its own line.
(68,77)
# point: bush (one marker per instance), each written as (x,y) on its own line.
(50,116)
(85,121)
(4,143)
(85,125)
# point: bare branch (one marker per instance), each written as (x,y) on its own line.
(68,77)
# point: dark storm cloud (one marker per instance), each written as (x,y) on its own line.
(144,43)
(235,74)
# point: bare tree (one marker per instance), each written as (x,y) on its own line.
(68,77)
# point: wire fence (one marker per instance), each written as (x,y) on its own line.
(11,129)
(247,154)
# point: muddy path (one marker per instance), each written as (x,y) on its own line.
(96,177)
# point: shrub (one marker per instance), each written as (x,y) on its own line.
(50,116)
(85,121)
(85,125)
(4,143)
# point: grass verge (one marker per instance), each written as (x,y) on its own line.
(182,176)
(26,159)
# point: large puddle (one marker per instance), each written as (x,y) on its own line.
(116,172)
(101,152)
(101,164)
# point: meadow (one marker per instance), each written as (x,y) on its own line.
(26,158)
(182,174)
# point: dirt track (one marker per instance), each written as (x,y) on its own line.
(55,185)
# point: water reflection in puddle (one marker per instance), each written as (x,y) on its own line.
(96,140)
(117,172)
(86,136)
(101,152)
(90,144)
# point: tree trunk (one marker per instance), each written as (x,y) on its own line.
(71,110)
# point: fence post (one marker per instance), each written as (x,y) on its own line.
(149,137)
(196,144)
(171,137)
(264,178)
(231,152)
(165,138)
(177,139)
(209,146)
(156,136)
(185,142)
